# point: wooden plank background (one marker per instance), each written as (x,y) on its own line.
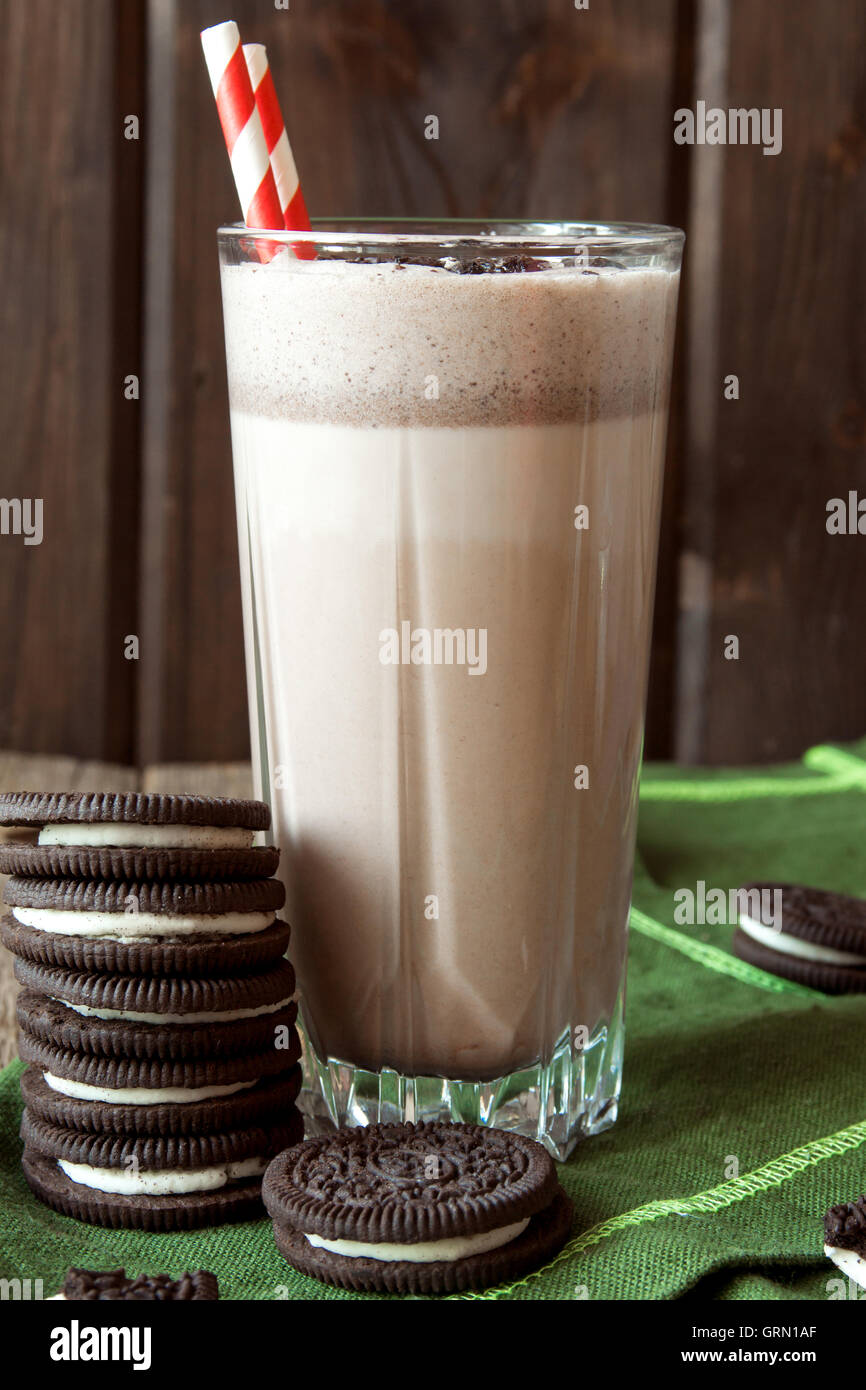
(544,110)
(792,325)
(69,311)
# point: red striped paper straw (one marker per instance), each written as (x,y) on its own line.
(242,126)
(279,149)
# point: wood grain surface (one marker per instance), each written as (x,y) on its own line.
(791,324)
(63,682)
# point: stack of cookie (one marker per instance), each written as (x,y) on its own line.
(156,1013)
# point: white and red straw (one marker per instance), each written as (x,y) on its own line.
(280,151)
(261,158)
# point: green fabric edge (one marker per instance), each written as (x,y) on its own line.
(770,1175)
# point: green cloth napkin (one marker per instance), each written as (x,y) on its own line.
(742,1118)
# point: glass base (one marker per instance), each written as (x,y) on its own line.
(574,1095)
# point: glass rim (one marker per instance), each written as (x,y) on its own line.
(472,232)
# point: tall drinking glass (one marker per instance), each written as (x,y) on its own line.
(448,444)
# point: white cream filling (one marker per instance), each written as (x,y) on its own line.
(792,945)
(423,1251)
(141,1095)
(849,1262)
(133,835)
(220,1016)
(156,1182)
(123,926)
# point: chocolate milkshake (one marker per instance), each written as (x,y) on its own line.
(448,481)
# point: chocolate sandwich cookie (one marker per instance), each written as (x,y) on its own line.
(156,1080)
(128,898)
(845,1239)
(83,861)
(239,1200)
(98,909)
(818,939)
(164,999)
(59,1023)
(115,1286)
(254,1104)
(425,1209)
(131,808)
(134,1159)
(152,1184)
(166,1016)
(136,835)
(167,955)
